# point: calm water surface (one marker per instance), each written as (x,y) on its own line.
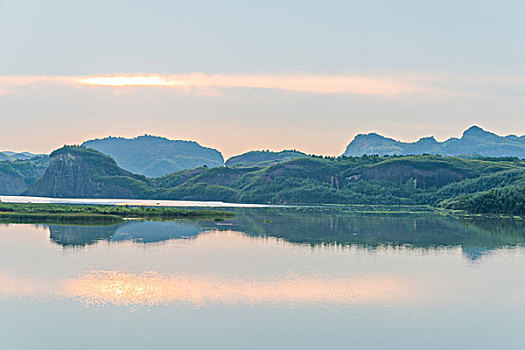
(269,279)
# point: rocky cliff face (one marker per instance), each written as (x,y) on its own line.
(11,184)
(83,172)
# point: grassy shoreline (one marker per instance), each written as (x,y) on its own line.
(100,214)
(112,214)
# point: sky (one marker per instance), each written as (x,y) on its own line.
(243,75)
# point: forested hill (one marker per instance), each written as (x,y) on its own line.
(432,180)
(154,156)
(474,141)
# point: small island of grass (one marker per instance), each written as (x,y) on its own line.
(100,214)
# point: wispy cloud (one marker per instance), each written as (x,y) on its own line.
(314,84)
(317,84)
(201,83)
(9,83)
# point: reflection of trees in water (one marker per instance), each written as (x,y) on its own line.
(474,236)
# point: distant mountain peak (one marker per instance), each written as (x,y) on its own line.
(371,135)
(156,156)
(264,158)
(475,130)
(475,140)
(428,139)
(9,155)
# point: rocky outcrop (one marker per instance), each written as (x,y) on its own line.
(83,172)
(11,184)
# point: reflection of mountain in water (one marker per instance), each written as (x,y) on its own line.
(156,231)
(73,235)
(146,232)
(476,237)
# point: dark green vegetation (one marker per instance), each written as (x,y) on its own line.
(409,180)
(508,200)
(474,141)
(17,175)
(263,158)
(371,180)
(52,218)
(156,156)
(99,214)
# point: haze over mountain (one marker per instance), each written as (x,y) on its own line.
(155,156)
(8,155)
(263,158)
(473,141)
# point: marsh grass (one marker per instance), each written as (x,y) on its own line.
(62,213)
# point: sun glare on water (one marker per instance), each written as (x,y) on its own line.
(151,288)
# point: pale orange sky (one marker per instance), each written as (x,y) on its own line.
(317,114)
(244,76)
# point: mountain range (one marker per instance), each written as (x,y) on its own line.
(474,141)
(495,185)
(182,170)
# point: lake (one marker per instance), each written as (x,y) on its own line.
(271,278)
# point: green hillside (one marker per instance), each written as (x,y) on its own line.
(17,175)
(448,182)
(395,180)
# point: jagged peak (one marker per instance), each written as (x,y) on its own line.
(475,130)
(474,139)
(428,139)
(372,135)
